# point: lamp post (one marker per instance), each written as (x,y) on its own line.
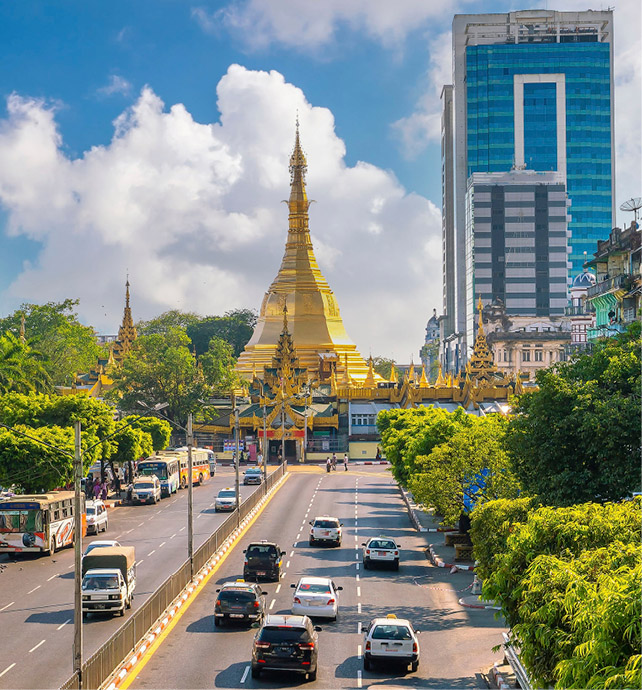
(77,555)
(265,446)
(190,496)
(237,482)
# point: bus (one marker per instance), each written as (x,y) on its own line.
(200,465)
(38,522)
(166,469)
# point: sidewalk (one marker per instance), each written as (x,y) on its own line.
(439,553)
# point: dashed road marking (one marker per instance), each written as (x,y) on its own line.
(139,562)
(298,536)
(287,565)
(34,589)
(359,651)
(7,669)
(160,546)
(359,628)
(359,611)
(272,604)
(291,554)
(141,524)
(129,530)
(278,588)
(244,676)
(151,552)
(173,535)
(358,591)
(38,645)
(359,679)
(7,606)
(181,529)
(357,578)
(48,580)
(62,625)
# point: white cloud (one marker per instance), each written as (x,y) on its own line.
(116,84)
(193,212)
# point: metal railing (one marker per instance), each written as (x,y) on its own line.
(613,283)
(102,663)
(513,659)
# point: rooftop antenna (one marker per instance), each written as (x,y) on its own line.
(634,205)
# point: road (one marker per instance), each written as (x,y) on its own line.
(36,592)
(455,642)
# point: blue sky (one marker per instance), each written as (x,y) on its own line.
(153,137)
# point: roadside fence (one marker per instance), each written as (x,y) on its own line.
(106,658)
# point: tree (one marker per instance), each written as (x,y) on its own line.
(132,444)
(383,366)
(163,324)
(577,438)
(159,430)
(53,330)
(471,467)
(161,368)
(235,327)
(218,366)
(22,369)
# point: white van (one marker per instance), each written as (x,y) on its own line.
(97,520)
(146,489)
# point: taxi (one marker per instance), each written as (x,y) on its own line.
(239,602)
(390,639)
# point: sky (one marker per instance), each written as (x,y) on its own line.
(152,139)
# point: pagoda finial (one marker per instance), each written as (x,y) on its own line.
(423,381)
(127,331)
(393,378)
(285,316)
(440,378)
(370,377)
(480,307)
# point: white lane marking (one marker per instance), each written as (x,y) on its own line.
(48,580)
(63,624)
(359,628)
(210,505)
(141,524)
(272,604)
(173,535)
(358,651)
(129,530)
(139,562)
(358,591)
(357,566)
(36,647)
(7,606)
(160,546)
(181,529)
(34,589)
(198,516)
(151,552)
(287,565)
(357,576)
(244,676)
(298,536)
(291,554)
(356,538)
(359,610)
(7,669)
(118,536)
(71,566)
(359,679)
(278,588)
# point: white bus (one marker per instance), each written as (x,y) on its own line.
(165,468)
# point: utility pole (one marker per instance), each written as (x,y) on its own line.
(237,485)
(305,430)
(77,650)
(190,496)
(283,433)
(265,443)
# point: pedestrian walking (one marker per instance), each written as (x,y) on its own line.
(96,489)
(259,459)
(345,461)
(328,464)
(103,490)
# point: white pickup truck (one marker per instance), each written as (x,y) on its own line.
(109,580)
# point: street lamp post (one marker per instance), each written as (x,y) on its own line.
(77,555)
(190,496)
(237,484)
(283,434)
(265,446)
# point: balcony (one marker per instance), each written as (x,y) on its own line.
(579,310)
(623,282)
(606,331)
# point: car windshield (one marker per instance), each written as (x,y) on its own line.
(253,470)
(91,511)
(314,588)
(236,596)
(326,523)
(262,551)
(227,494)
(100,582)
(391,632)
(382,544)
(144,485)
(284,633)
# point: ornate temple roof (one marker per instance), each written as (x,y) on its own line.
(315,325)
(127,331)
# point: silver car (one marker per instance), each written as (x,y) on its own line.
(225,500)
(316,597)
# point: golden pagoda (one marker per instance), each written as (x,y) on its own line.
(126,333)
(316,328)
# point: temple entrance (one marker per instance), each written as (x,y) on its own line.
(275,449)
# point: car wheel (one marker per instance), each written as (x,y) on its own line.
(200,479)
(312,675)
(256,672)
(366,663)
(414,666)
(311,542)
(397,564)
(183,483)
(366,564)
(338,542)
(121,613)
(217,622)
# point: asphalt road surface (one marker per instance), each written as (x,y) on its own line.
(455,642)
(36,592)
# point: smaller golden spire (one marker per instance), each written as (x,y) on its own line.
(370,377)
(423,381)
(411,372)
(480,307)
(345,379)
(393,378)
(440,378)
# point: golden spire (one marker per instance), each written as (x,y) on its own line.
(440,377)
(423,381)
(370,378)
(127,331)
(411,372)
(480,307)
(481,364)
(345,379)
(393,378)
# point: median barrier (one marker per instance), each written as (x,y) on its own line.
(139,631)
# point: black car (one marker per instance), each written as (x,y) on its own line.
(286,643)
(263,560)
(239,601)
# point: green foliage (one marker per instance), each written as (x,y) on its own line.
(218,366)
(132,444)
(406,434)
(561,532)
(580,618)
(63,343)
(383,366)
(452,471)
(159,430)
(491,524)
(577,438)
(167,321)
(22,369)
(235,327)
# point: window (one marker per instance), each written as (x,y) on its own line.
(526,355)
(539,356)
(363,419)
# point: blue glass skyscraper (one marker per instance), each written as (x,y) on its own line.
(532,90)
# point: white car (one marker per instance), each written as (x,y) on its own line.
(146,490)
(390,639)
(225,500)
(381,550)
(97,520)
(325,529)
(316,597)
